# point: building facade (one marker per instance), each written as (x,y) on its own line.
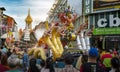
(58,6)
(7,25)
(104,16)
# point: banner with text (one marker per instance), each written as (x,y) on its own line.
(99,5)
(87,6)
(106,31)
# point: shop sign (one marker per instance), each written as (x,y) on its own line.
(87,6)
(100,5)
(113,22)
(106,31)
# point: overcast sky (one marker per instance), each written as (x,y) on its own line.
(18,9)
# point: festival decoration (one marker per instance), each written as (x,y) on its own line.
(52,35)
(54,43)
(51,38)
(37,52)
(79,43)
(10,22)
(83,36)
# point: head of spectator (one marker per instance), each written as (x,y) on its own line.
(32,62)
(93,52)
(14,51)
(25,50)
(85,52)
(93,55)
(1,47)
(68,59)
(84,58)
(115,62)
(4,60)
(115,53)
(9,50)
(13,61)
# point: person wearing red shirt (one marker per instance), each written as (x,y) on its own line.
(106,58)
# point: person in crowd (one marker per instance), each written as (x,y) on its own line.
(42,64)
(13,63)
(25,60)
(69,59)
(115,53)
(92,65)
(50,64)
(38,61)
(19,66)
(14,53)
(84,60)
(78,64)
(115,62)
(105,59)
(4,66)
(102,52)
(0,56)
(75,62)
(9,52)
(59,64)
(118,51)
(45,67)
(4,50)
(33,67)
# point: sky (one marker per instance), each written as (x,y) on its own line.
(76,5)
(18,9)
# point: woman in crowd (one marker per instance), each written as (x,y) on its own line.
(4,64)
(84,60)
(33,67)
(115,62)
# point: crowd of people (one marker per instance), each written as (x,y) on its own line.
(93,60)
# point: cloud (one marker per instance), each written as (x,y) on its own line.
(18,9)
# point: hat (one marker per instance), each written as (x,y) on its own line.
(93,52)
